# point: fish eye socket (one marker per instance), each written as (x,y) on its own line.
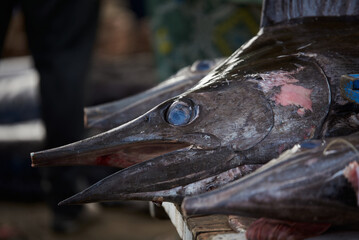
(180,113)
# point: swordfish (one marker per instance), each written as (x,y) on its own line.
(280,88)
(300,194)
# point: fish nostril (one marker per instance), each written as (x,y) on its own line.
(349,87)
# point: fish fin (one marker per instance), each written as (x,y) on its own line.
(278,11)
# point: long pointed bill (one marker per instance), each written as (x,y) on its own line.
(170,177)
(121,147)
(302,185)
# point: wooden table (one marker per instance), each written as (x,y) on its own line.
(216,227)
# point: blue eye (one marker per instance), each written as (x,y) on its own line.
(179,113)
(202,66)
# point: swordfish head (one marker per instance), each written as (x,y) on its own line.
(193,137)
(265,98)
(205,118)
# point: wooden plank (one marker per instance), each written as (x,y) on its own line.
(217,227)
(208,224)
(222,236)
(178,221)
(196,228)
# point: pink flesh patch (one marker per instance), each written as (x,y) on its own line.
(351,173)
(136,153)
(278,78)
(123,160)
(290,94)
(115,160)
(265,228)
(294,95)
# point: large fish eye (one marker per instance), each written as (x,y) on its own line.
(202,65)
(180,113)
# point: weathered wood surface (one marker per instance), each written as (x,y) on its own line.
(200,228)
(216,227)
(208,224)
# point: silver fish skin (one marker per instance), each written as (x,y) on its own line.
(305,184)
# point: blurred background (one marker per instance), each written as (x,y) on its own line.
(137,45)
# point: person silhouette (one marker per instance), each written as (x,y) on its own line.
(60,36)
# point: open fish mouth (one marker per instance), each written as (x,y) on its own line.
(134,142)
(155,169)
(181,147)
(164,165)
(121,155)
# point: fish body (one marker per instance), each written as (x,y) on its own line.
(280,88)
(308,183)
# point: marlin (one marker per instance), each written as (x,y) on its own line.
(315,182)
(280,88)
